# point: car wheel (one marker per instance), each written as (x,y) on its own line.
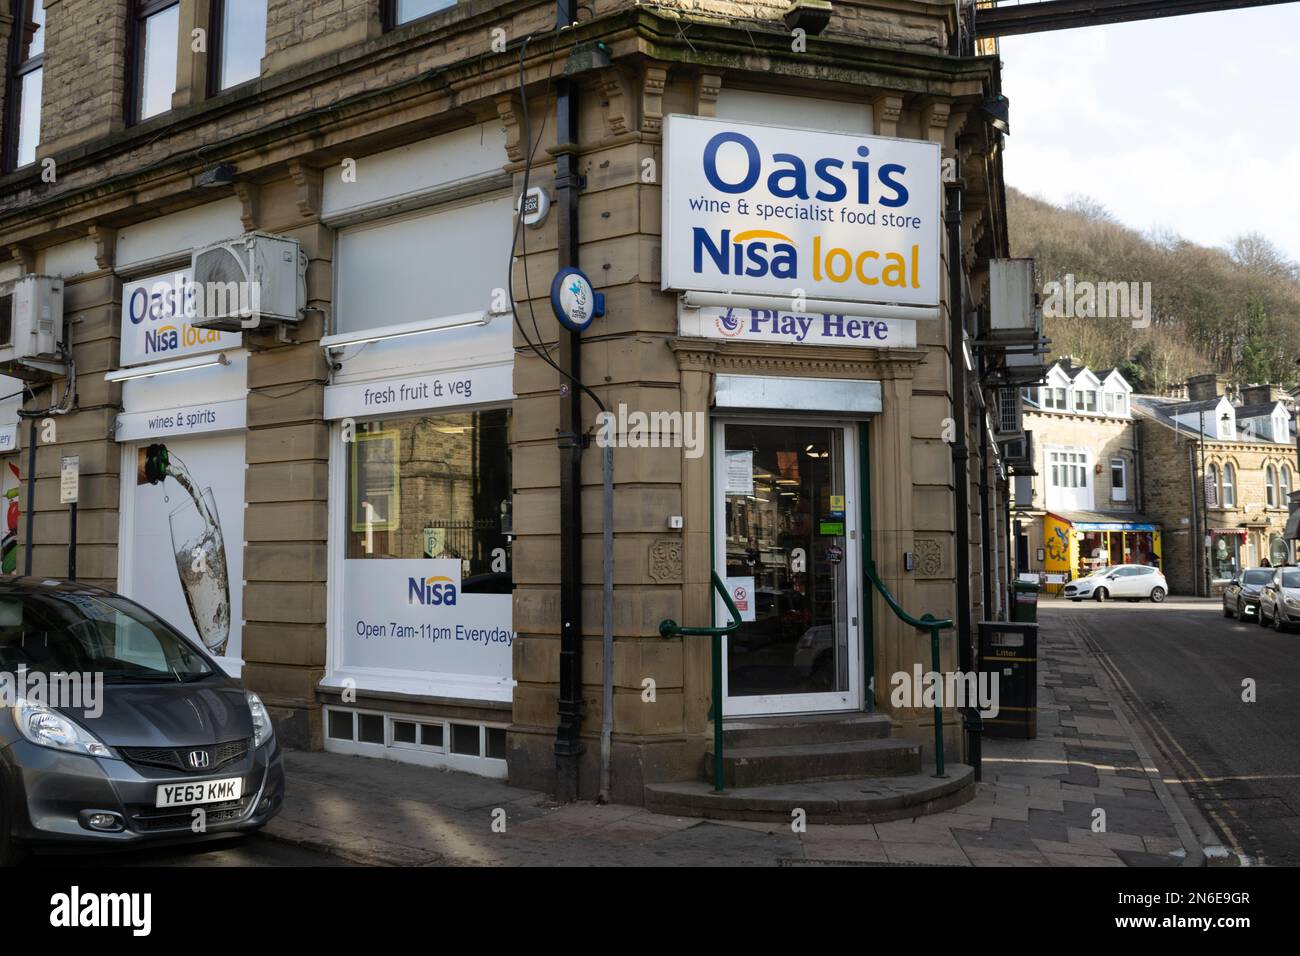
(1227,611)
(1279,625)
(1157,594)
(11,853)
(1261,618)
(1100,594)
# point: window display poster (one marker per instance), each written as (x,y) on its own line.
(376,484)
(186,539)
(740,472)
(12,484)
(412,614)
(742,595)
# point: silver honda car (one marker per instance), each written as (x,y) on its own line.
(116,730)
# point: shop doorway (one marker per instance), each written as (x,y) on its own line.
(787,544)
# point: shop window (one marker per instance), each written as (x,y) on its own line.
(239,41)
(495,738)
(434,486)
(26,77)
(1270,486)
(1229,485)
(155,36)
(431,735)
(1223,556)
(404,732)
(1119,479)
(1278,553)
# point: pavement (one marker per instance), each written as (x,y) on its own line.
(1219,696)
(1086,792)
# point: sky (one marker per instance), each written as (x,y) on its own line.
(1185,123)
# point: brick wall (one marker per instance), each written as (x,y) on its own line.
(85,71)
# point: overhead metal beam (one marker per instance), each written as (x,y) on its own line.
(1038,17)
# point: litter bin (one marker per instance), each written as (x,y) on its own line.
(1024,601)
(1009,656)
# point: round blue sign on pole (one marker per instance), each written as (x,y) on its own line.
(574,301)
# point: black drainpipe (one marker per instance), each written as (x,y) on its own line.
(568,745)
(960,452)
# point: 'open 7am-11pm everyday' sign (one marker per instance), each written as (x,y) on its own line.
(768,210)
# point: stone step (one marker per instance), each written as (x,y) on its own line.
(861,800)
(837,760)
(803,729)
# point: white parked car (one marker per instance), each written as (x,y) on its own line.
(1279,600)
(1131,581)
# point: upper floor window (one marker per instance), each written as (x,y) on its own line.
(27,59)
(1212,487)
(397,12)
(156,35)
(1229,485)
(1055,398)
(239,32)
(1270,486)
(1285,486)
(1085,400)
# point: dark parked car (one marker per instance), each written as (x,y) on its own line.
(166,733)
(1241,596)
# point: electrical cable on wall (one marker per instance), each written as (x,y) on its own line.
(530,150)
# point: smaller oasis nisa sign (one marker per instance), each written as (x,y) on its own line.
(156,317)
(767,210)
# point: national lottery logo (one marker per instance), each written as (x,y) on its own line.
(728,325)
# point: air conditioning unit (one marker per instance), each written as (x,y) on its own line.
(31,328)
(1018,453)
(251,281)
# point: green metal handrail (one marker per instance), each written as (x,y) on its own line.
(926,622)
(670,628)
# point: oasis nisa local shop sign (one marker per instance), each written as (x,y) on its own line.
(773,211)
(156,317)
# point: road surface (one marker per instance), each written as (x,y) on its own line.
(1184,669)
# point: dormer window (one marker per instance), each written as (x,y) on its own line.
(1085,400)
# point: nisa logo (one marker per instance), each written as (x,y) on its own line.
(754,252)
(431,591)
(165,339)
(168,338)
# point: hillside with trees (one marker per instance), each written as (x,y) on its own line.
(1234,310)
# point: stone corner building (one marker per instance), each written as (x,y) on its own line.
(410,508)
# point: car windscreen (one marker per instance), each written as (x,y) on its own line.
(1256,576)
(1291,578)
(64,632)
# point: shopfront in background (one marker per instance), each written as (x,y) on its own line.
(420,617)
(11,474)
(1076,544)
(181,435)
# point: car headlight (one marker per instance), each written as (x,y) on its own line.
(48,728)
(262,731)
